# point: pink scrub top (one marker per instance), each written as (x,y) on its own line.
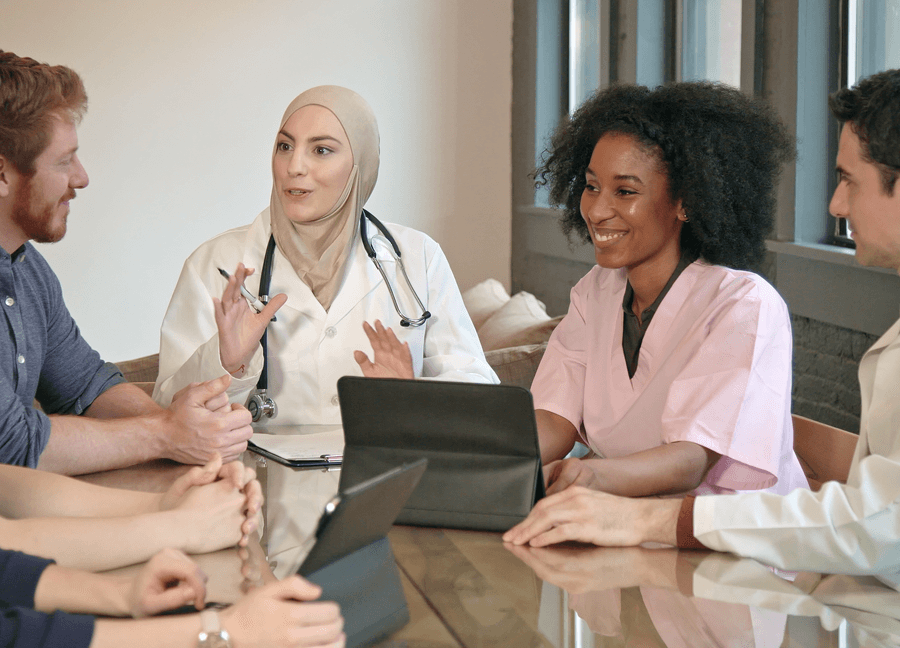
(714,369)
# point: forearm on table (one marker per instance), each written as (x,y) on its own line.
(37,493)
(80,592)
(82,444)
(122,401)
(161,632)
(95,544)
(672,468)
(556,435)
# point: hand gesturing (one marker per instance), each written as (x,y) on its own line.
(390,357)
(240,327)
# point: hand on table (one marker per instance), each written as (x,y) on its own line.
(559,475)
(585,515)
(390,357)
(169,580)
(240,326)
(235,473)
(200,423)
(283,614)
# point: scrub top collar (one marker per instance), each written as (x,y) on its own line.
(634,329)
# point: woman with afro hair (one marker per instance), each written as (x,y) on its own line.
(673,364)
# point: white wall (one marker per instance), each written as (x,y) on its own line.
(185,97)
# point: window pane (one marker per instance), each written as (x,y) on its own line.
(873,39)
(711,41)
(584,50)
(550,86)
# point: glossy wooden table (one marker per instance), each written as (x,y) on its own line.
(468,589)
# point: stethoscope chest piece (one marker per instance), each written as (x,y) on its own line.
(261,405)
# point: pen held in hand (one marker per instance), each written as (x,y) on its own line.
(254,301)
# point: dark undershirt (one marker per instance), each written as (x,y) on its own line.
(634,329)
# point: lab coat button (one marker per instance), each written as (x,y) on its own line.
(334,400)
(10,301)
(21,360)
(330,332)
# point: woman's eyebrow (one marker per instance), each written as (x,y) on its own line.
(629,178)
(286,134)
(322,138)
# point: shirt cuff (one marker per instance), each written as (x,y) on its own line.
(684,530)
(19,576)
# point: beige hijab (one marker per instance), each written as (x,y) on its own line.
(318,250)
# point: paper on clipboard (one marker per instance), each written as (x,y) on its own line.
(302,443)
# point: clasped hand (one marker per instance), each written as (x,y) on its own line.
(221,504)
(201,422)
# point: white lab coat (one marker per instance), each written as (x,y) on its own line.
(309,349)
(853,529)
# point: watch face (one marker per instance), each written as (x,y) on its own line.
(214,640)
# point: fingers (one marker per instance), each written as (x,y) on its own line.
(233,473)
(564,474)
(217,402)
(364,363)
(201,393)
(297,589)
(544,516)
(275,303)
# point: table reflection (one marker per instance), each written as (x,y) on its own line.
(469,589)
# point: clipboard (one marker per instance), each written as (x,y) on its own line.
(300,446)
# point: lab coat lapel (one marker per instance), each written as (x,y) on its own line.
(361,277)
(284,278)
(878,376)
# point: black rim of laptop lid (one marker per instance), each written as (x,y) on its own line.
(455,416)
(364,514)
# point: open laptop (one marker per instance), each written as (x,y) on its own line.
(484,462)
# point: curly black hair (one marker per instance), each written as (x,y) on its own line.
(721,150)
(872,108)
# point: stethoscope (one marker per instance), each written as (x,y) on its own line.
(260,404)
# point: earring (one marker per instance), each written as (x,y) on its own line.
(683,218)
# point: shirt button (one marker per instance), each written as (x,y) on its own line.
(330,332)
(10,301)
(334,399)
(21,360)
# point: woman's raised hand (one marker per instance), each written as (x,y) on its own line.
(241,327)
(391,358)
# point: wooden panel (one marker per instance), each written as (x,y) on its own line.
(825,452)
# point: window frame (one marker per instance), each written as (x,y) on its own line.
(804,252)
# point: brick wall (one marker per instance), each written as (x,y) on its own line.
(826,360)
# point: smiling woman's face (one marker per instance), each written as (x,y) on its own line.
(312,162)
(626,204)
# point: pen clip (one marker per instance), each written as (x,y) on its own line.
(332,458)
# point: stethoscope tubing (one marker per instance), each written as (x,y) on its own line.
(265,283)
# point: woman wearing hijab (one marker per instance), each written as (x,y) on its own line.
(330,298)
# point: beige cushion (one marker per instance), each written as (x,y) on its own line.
(484,300)
(521,321)
(516,366)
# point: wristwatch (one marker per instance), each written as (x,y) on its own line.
(212,635)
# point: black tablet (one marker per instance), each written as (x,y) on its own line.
(361,515)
